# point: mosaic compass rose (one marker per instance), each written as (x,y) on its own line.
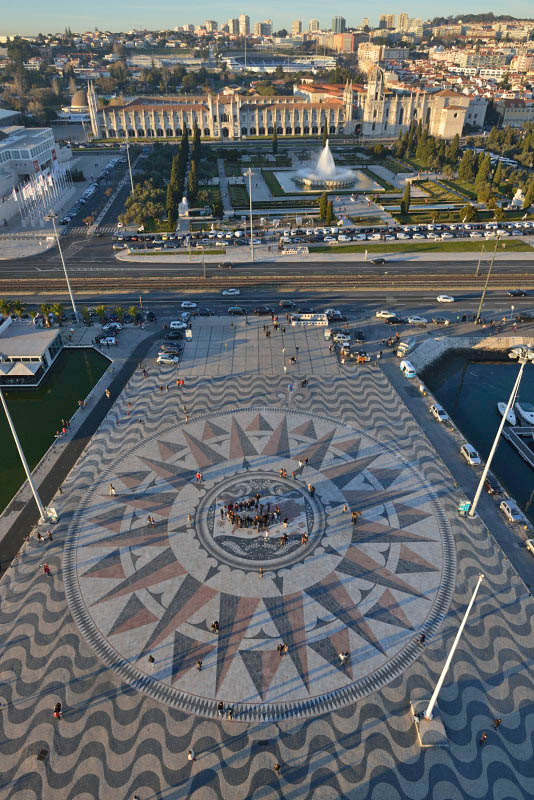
(309,577)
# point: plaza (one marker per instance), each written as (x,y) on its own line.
(116,632)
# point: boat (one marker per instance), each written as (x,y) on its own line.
(510,417)
(525,411)
(518,352)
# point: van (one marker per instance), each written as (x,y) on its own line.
(406,347)
(408,369)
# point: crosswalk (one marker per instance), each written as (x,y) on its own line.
(81,230)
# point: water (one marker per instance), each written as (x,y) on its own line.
(469,392)
(326,166)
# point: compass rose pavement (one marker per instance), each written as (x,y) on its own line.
(123,590)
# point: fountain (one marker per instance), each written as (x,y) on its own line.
(325,175)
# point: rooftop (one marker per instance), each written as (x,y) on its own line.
(26,340)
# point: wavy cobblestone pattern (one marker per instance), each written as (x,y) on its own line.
(115,741)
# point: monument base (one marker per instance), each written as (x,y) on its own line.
(430,732)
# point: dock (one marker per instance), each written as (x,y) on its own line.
(515,436)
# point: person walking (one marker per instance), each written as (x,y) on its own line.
(39,537)
(112,491)
(277,768)
(496,723)
(199,664)
(107,393)
(220,708)
(343,658)
(49,536)
(191,755)
(230,712)
(46,569)
(151,521)
(483,737)
(57,711)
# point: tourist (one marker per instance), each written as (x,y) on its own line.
(343,658)
(46,569)
(112,491)
(57,711)
(277,768)
(496,723)
(215,626)
(220,708)
(483,737)
(191,756)
(107,393)
(49,534)
(151,521)
(40,538)
(229,712)
(199,664)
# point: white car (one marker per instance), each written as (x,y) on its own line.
(331,312)
(177,325)
(385,314)
(167,358)
(511,510)
(341,338)
(112,326)
(231,292)
(189,304)
(416,320)
(108,340)
(403,236)
(470,454)
(439,413)
(445,298)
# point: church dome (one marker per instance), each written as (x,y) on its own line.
(79,99)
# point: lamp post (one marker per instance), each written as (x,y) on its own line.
(250,174)
(487,281)
(511,401)
(51,217)
(428,713)
(43,515)
(480,259)
(129,166)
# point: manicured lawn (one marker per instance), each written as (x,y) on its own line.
(238,196)
(466,189)
(272,182)
(468,246)
(37,413)
(437,192)
(232,169)
(207,195)
(395,166)
(156,226)
(377,179)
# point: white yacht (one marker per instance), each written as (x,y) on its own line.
(510,417)
(525,411)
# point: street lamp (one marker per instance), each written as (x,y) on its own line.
(250,173)
(487,281)
(51,217)
(44,515)
(511,400)
(129,165)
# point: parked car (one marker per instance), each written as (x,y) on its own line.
(491,484)
(173,335)
(177,325)
(167,358)
(113,327)
(470,454)
(439,413)
(107,340)
(511,510)
(417,320)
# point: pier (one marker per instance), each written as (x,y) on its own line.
(515,435)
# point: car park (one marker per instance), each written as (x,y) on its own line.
(445,298)
(167,358)
(470,454)
(231,292)
(173,349)
(511,510)
(341,338)
(439,413)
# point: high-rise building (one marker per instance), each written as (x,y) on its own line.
(365,22)
(313,25)
(211,25)
(296,27)
(387,21)
(233,26)
(263,28)
(244,25)
(338,24)
(402,22)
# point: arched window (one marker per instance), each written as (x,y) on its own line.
(244,131)
(332,128)
(122,132)
(178,132)
(262,131)
(168,132)
(289,130)
(206,132)
(140,132)
(270,130)
(297,130)
(253,131)
(279,130)
(131,132)
(314,128)
(225,133)
(306,129)
(159,132)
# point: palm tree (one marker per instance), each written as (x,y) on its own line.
(45,309)
(101,312)
(119,312)
(58,311)
(132,311)
(33,314)
(5,307)
(86,315)
(17,308)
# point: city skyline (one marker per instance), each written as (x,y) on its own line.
(33,18)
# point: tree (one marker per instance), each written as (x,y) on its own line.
(329,212)
(132,311)
(58,310)
(498,175)
(171,206)
(466,170)
(17,308)
(323,202)
(45,309)
(529,196)
(119,312)
(275,142)
(101,312)
(325,135)
(192,183)
(6,307)
(482,179)
(86,315)
(405,202)
(467,213)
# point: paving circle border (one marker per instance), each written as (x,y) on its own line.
(326,702)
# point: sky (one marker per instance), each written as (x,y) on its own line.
(34,16)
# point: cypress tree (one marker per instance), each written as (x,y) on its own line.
(405,202)
(192,185)
(323,202)
(275,141)
(329,212)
